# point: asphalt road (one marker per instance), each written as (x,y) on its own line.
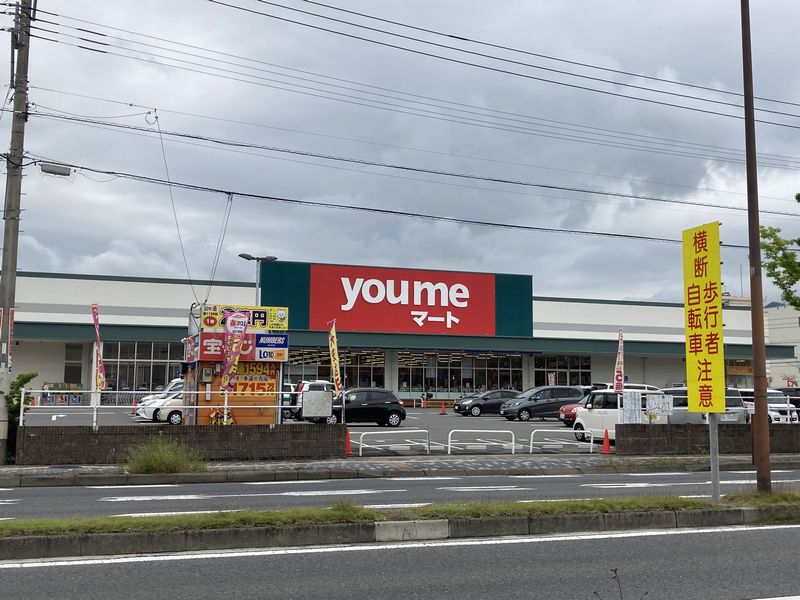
(488,434)
(706,564)
(60,502)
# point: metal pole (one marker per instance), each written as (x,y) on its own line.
(760,424)
(258,282)
(8,274)
(713,446)
(21,410)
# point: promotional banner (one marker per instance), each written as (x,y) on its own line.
(100,373)
(333,347)
(619,367)
(235,330)
(261,318)
(254,347)
(705,359)
(402,300)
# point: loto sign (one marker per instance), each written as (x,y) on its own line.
(401,300)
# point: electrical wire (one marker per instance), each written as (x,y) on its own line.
(220,243)
(174,209)
(408,168)
(400,147)
(547,56)
(368,209)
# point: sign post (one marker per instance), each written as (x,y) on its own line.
(705,357)
(619,367)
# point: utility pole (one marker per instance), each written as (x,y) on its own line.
(11,213)
(760,423)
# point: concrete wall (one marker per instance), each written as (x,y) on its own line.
(44,358)
(112,445)
(663,440)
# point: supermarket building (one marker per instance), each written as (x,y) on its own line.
(410,330)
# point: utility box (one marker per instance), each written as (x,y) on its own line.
(317,404)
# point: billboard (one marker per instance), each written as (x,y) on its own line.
(702,295)
(401,300)
(260,318)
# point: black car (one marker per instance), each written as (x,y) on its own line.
(485,402)
(544,401)
(368,405)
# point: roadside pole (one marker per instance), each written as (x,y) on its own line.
(8,276)
(713,445)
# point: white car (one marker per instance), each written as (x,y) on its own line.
(152,409)
(779,407)
(601,412)
(171,410)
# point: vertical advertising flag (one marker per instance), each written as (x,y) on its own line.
(702,297)
(10,335)
(333,347)
(619,367)
(100,373)
(234,336)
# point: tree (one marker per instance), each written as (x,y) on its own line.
(13,405)
(780,262)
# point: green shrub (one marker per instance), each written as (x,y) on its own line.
(164,456)
(13,405)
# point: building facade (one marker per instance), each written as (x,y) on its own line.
(511,338)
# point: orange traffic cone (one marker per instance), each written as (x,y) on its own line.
(444,412)
(606,443)
(348,451)
(133,407)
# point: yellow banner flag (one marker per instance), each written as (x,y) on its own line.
(334,350)
(702,297)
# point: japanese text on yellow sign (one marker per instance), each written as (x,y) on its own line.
(702,297)
(262,318)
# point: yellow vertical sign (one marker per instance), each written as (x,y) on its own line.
(702,298)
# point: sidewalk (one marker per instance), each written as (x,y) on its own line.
(420,466)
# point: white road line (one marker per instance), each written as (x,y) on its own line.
(6,489)
(473,446)
(753,472)
(6,518)
(544,476)
(180,512)
(212,496)
(486,488)
(9,501)
(676,473)
(503,541)
(559,500)
(127,487)
(292,481)
(643,484)
(420,478)
(408,416)
(781,598)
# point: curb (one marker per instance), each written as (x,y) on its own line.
(105,544)
(239,476)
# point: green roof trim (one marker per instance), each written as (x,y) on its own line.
(71,332)
(513,308)
(287,284)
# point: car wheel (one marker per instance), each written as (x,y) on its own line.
(156,412)
(393,420)
(524,415)
(475,411)
(286,414)
(579,435)
(510,418)
(175,418)
(567,424)
(333,419)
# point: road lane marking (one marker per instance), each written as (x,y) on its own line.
(9,501)
(559,500)
(6,489)
(420,478)
(643,484)
(179,512)
(6,518)
(543,476)
(502,541)
(486,488)
(129,486)
(212,496)
(293,481)
(408,505)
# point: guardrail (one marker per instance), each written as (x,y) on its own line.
(450,436)
(403,431)
(569,432)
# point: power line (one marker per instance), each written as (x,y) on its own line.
(383,144)
(374,210)
(376,104)
(547,56)
(490,68)
(408,168)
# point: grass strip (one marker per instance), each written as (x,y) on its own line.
(340,512)
(761,499)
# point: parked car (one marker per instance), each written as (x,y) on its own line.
(543,401)
(779,407)
(171,410)
(367,405)
(151,409)
(296,402)
(173,386)
(566,414)
(627,386)
(793,393)
(488,402)
(735,411)
(288,398)
(601,412)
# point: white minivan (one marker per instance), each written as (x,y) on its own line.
(602,410)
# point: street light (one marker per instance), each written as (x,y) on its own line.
(259,260)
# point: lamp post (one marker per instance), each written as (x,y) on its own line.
(259,260)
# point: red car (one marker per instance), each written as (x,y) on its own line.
(566,414)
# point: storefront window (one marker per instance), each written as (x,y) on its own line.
(562,370)
(131,365)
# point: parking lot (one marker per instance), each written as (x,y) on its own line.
(423,431)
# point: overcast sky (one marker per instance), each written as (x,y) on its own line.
(255,79)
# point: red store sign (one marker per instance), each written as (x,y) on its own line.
(401,300)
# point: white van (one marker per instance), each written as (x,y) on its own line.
(602,411)
(779,407)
